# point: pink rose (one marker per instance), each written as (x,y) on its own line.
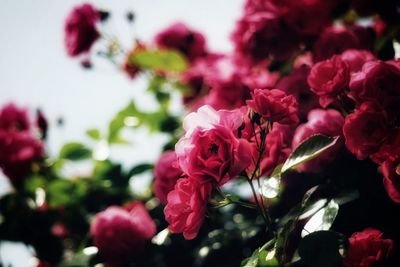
(389,159)
(197,77)
(391,178)
(365,130)
(186,206)
(18,151)
(377,82)
(355,59)
(167,171)
(328,79)
(13,118)
(296,84)
(308,18)
(274,105)
(178,36)
(121,234)
(259,77)
(264,34)
(211,149)
(389,149)
(80,29)
(229,95)
(333,41)
(226,80)
(328,122)
(277,148)
(368,249)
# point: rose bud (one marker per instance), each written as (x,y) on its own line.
(368,249)
(178,36)
(129,66)
(80,29)
(42,124)
(167,171)
(186,206)
(274,105)
(121,234)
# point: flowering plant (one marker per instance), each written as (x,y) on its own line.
(286,153)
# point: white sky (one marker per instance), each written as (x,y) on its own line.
(35,71)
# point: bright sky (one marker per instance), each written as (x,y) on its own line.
(35,71)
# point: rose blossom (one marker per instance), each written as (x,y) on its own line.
(13,118)
(264,34)
(277,148)
(274,105)
(377,82)
(197,77)
(227,93)
(391,179)
(178,36)
(167,171)
(211,149)
(334,40)
(18,151)
(186,206)
(327,122)
(365,130)
(389,158)
(296,85)
(121,234)
(227,84)
(328,79)
(367,249)
(355,59)
(80,29)
(308,18)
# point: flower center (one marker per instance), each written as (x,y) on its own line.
(213,148)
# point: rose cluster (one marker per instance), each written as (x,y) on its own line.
(298,69)
(367,88)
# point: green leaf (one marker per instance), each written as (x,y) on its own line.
(140,169)
(63,192)
(77,260)
(131,116)
(308,149)
(34,182)
(60,193)
(161,60)
(262,257)
(75,151)
(322,219)
(94,134)
(156,84)
(119,121)
(323,248)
